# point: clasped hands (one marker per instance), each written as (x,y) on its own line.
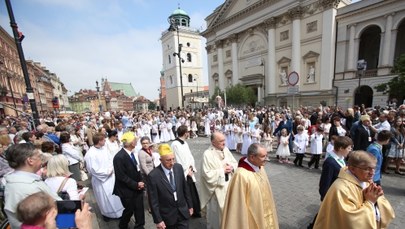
(228,168)
(372,193)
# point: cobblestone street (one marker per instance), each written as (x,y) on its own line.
(295,192)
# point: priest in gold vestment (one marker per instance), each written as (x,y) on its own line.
(353,202)
(249,201)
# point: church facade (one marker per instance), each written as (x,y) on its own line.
(259,43)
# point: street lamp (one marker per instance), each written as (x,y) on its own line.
(175,27)
(361,66)
(100,107)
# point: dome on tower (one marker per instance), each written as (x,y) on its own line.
(180,18)
(179,11)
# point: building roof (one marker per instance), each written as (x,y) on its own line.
(127,88)
(179,11)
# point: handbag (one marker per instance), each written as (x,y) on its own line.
(63,194)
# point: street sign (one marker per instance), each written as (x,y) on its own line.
(291,90)
(293,78)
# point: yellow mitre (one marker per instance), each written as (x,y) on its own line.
(164,149)
(128,137)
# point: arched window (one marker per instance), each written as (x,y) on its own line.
(370,46)
(190,78)
(184,22)
(188,57)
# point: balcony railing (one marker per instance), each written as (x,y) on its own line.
(367,73)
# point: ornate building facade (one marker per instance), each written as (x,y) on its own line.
(46,85)
(373,32)
(258,43)
(189,64)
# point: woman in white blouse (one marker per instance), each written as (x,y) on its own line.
(73,154)
(112,144)
(57,172)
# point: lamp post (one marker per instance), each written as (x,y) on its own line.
(361,66)
(196,80)
(18,37)
(98,96)
(175,27)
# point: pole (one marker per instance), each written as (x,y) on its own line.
(18,38)
(181,74)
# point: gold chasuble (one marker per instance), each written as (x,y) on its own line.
(249,201)
(344,207)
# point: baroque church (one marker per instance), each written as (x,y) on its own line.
(265,44)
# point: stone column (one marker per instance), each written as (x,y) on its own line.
(270,78)
(209,49)
(327,45)
(221,79)
(386,48)
(235,70)
(295,15)
(350,56)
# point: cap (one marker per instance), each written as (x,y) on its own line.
(164,149)
(128,137)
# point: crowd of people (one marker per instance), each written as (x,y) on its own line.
(128,158)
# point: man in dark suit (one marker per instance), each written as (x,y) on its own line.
(128,183)
(363,135)
(169,195)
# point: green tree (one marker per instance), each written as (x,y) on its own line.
(240,95)
(151,105)
(396,86)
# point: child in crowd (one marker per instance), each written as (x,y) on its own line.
(246,139)
(300,143)
(316,147)
(267,139)
(256,133)
(283,150)
(238,135)
(330,146)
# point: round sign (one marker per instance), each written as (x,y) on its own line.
(293,78)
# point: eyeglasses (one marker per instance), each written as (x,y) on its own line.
(368,169)
(143,143)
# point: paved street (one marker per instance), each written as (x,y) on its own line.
(295,192)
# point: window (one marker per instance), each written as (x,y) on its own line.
(188,44)
(228,53)
(312,26)
(190,78)
(215,58)
(171,80)
(284,35)
(170,59)
(188,57)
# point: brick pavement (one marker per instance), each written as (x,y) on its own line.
(295,191)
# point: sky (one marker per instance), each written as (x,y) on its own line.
(82,41)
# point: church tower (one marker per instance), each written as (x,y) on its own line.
(182,59)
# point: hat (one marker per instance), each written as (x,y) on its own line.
(365,118)
(128,137)
(164,149)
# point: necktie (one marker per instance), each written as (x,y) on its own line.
(172,181)
(133,159)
